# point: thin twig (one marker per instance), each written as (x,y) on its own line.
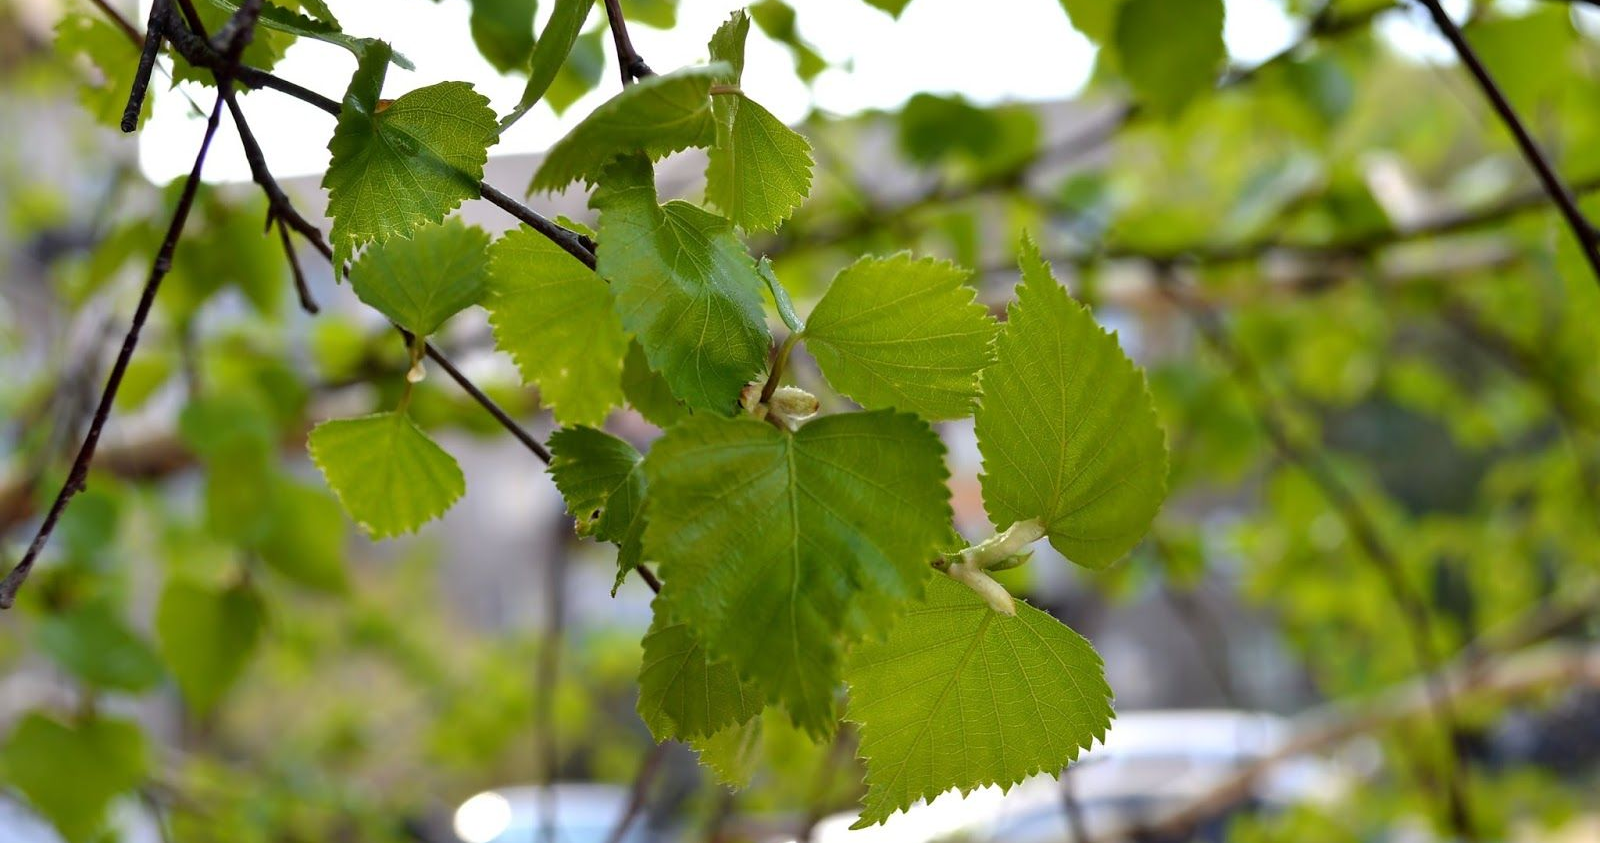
(147,63)
(631,65)
(78,474)
(1588,236)
(302,290)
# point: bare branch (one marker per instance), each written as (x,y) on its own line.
(631,65)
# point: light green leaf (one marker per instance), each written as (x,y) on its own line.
(322,28)
(94,644)
(1170,50)
(1066,427)
(684,692)
(556,319)
(207,636)
(647,390)
(580,73)
(903,332)
(1094,18)
(602,480)
(759,170)
(685,287)
(388,474)
(503,31)
(400,165)
(422,279)
(960,696)
(780,550)
(550,53)
(655,116)
(71,773)
(306,539)
(893,7)
(732,753)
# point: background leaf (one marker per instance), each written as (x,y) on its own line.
(207,636)
(71,773)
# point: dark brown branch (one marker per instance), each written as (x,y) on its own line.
(631,65)
(1588,236)
(78,475)
(147,64)
(302,290)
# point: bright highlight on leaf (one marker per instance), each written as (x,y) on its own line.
(1066,427)
(207,636)
(602,480)
(655,116)
(401,165)
(388,474)
(421,280)
(780,550)
(903,332)
(556,319)
(685,287)
(683,692)
(759,170)
(960,696)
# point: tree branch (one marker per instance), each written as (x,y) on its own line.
(147,64)
(631,65)
(1588,236)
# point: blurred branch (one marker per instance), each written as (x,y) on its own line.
(638,792)
(1588,236)
(1362,527)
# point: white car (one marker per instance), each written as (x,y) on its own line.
(1151,762)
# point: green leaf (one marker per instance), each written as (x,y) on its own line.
(306,540)
(556,319)
(581,72)
(1170,50)
(759,170)
(655,116)
(780,550)
(903,332)
(683,692)
(267,44)
(732,753)
(400,165)
(960,696)
(1093,18)
(92,642)
(647,391)
(388,474)
(602,480)
(103,94)
(71,773)
(503,31)
(685,287)
(893,7)
(1066,427)
(322,28)
(207,636)
(422,279)
(550,52)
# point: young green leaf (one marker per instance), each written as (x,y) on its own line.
(732,753)
(550,53)
(207,636)
(503,31)
(95,645)
(422,279)
(321,28)
(556,319)
(305,542)
(780,550)
(685,693)
(1093,18)
(759,170)
(400,165)
(905,333)
(685,287)
(647,391)
(602,480)
(71,773)
(656,116)
(960,696)
(1066,427)
(388,474)
(1170,50)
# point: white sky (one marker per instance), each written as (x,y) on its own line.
(1011,50)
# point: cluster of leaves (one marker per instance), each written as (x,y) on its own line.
(788,550)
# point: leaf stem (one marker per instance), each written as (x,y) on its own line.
(779,363)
